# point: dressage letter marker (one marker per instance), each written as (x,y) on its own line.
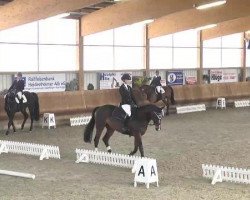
(49,120)
(145,172)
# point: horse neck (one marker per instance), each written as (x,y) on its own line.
(144,113)
(148,90)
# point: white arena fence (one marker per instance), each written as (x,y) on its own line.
(43,151)
(241,103)
(191,108)
(105,158)
(231,174)
(78,121)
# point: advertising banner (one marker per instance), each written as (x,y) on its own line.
(223,75)
(111,80)
(175,78)
(191,80)
(44,82)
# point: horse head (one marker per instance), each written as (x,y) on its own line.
(156,115)
(10,100)
(10,96)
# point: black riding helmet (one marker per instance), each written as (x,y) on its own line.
(126,77)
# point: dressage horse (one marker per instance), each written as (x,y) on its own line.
(137,125)
(11,107)
(153,97)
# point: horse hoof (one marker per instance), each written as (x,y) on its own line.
(109,151)
(7,133)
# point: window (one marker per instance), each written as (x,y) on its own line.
(57,58)
(58,31)
(161,58)
(98,58)
(185,58)
(128,58)
(14,57)
(101,38)
(21,34)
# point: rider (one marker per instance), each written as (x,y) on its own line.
(156,83)
(127,104)
(18,85)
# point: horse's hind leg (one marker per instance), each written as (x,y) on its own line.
(31,110)
(106,138)
(25,114)
(10,123)
(97,137)
(166,102)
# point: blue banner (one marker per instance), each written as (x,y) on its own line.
(175,78)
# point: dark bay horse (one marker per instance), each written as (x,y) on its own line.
(137,125)
(11,107)
(153,97)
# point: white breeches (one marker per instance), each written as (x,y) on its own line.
(160,89)
(19,94)
(127,109)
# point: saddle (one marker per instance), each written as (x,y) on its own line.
(119,113)
(158,94)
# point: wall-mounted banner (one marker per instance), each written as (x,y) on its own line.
(223,75)
(111,80)
(175,78)
(191,80)
(44,82)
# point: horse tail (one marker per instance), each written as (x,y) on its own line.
(36,107)
(88,131)
(172,95)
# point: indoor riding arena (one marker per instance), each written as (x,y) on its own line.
(124,99)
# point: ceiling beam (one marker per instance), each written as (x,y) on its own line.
(128,12)
(227,28)
(19,12)
(194,18)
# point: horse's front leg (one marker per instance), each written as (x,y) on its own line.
(31,124)
(137,143)
(166,102)
(25,114)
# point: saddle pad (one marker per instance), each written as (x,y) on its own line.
(119,113)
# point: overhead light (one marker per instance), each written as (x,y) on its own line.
(210,4)
(205,27)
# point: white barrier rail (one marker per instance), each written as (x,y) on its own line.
(19,174)
(241,103)
(44,151)
(219,174)
(105,158)
(191,108)
(78,121)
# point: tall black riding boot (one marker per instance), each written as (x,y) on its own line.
(125,129)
